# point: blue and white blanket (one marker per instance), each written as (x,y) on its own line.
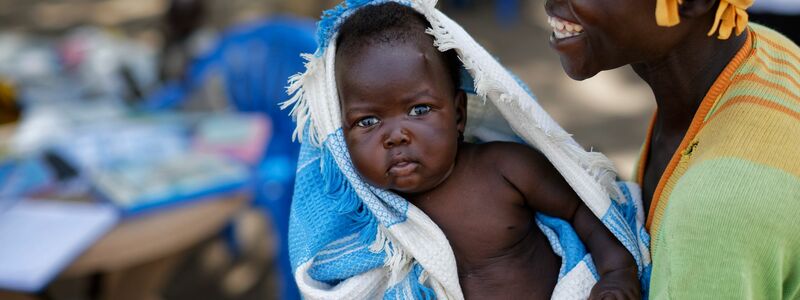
(351,240)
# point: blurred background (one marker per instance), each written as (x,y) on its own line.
(143,155)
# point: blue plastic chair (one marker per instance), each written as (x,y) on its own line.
(255,62)
(507,11)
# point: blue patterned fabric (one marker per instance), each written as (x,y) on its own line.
(621,221)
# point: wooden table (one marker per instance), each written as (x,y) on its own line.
(135,258)
(6,132)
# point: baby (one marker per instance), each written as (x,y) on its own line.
(403,118)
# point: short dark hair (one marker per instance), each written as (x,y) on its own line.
(388,23)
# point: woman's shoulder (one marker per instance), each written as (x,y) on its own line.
(768,77)
(762,134)
(757,118)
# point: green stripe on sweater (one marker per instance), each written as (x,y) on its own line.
(746,216)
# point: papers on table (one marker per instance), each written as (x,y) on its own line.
(38,239)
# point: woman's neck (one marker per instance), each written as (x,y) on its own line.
(681,79)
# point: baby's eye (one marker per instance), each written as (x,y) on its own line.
(419,110)
(367,122)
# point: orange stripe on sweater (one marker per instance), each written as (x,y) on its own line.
(777,46)
(782,62)
(758,79)
(757,101)
(779,73)
(720,85)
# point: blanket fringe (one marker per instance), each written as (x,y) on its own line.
(339,191)
(401,265)
(418,288)
(301,110)
(596,164)
(398,261)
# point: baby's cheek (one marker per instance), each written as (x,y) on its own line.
(368,164)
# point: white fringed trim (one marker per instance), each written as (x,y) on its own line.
(423,276)
(301,111)
(315,99)
(368,285)
(495,83)
(423,240)
(398,263)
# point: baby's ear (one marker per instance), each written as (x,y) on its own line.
(460,101)
(696,8)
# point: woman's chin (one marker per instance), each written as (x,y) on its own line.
(578,73)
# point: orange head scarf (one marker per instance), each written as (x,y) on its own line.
(730,14)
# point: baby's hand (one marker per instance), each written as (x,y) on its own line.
(617,284)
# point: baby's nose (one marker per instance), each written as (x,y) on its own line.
(395,137)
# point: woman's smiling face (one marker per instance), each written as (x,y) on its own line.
(401,114)
(596,35)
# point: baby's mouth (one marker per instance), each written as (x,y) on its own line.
(401,167)
(563,29)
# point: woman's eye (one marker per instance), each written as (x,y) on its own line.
(367,122)
(419,110)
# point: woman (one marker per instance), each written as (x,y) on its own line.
(720,170)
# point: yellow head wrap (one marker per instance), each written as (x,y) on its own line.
(730,14)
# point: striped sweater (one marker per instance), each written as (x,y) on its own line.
(725,216)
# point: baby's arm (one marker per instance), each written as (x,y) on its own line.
(546,191)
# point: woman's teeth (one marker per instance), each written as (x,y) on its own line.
(564,29)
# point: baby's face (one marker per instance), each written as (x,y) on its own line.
(400,114)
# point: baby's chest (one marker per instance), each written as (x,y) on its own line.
(482,223)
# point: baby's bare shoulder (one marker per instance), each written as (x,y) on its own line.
(518,163)
(501,153)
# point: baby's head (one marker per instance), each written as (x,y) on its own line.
(402,110)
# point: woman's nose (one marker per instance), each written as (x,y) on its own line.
(396,136)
